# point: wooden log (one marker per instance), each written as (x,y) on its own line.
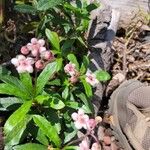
(130,10)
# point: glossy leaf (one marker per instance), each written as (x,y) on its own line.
(30,146)
(53,38)
(16,83)
(43,5)
(12,90)
(102,75)
(42,138)
(69,136)
(47,129)
(72,58)
(71,148)
(87,102)
(26,79)
(88,88)
(84,65)
(56,103)
(7,103)
(65,92)
(74,105)
(14,136)
(45,75)
(23,8)
(17,116)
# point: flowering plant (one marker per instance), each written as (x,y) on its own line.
(50,85)
(57,86)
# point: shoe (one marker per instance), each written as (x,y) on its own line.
(129,110)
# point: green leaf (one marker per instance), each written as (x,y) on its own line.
(42,138)
(69,136)
(92,6)
(74,105)
(47,129)
(88,103)
(102,75)
(53,38)
(45,75)
(30,146)
(56,103)
(26,79)
(17,116)
(23,8)
(41,98)
(59,63)
(14,136)
(71,148)
(65,93)
(12,90)
(56,82)
(43,5)
(9,103)
(16,83)
(88,88)
(84,64)
(66,47)
(4,71)
(72,58)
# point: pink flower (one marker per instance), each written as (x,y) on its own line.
(91,124)
(80,119)
(24,50)
(35,52)
(84,145)
(70,69)
(73,79)
(91,79)
(34,41)
(42,49)
(39,64)
(47,55)
(96,146)
(41,42)
(23,64)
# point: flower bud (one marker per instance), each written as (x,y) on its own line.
(39,64)
(73,79)
(41,42)
(47,55)
(24,50)
(34,40)
(91,124)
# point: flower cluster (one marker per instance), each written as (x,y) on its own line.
(33,54)
(70,69)
(91,79)
(81,120)
(84,145)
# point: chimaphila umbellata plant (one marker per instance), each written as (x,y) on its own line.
(46,96)
(52,84)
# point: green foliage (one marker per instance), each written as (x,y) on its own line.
(47,129)
(54,39)
(45,75)
(30,146)
(44,5)
(102,75)
(42,102)
(17,116)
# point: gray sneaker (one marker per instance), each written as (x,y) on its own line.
(129,110)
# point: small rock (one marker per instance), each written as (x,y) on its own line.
(100,133)
(107,140)
(114,146)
